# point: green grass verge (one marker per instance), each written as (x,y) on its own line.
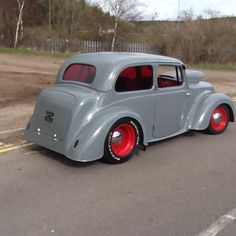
(30,52)
(217,67)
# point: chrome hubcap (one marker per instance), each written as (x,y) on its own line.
(116,137)
(217,118)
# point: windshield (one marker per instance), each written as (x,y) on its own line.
(81,73)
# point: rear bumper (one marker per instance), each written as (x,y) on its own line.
(78,154)
(45,141)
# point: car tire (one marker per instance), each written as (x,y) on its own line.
(219,120)
(122,141)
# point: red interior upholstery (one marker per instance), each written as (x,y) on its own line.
(129,73)
(84,74)
(72,72)
(135,78)
(164,83)
(92,70)
(146,71)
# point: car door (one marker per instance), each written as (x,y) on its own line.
(171,100)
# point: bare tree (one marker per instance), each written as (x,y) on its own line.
(122,10)
(67,15)
(19,24)
(186,15)
(210,14)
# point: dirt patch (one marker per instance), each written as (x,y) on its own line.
(223,81)
(29,64)
(23,77)
(15,116)
(21,87)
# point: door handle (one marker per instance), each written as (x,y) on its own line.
(188,94)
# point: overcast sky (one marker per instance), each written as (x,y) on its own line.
(168,9)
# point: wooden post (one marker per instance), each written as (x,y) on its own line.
(114,36)
(50,15)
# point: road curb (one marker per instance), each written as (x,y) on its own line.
(11,133)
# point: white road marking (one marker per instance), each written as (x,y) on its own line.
(220,224)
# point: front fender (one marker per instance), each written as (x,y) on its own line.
(92,135)
(201,117)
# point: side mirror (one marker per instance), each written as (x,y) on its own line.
(184,67)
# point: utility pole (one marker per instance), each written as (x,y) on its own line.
(50,15)
(178,9)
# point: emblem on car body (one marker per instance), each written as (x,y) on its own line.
(49,116)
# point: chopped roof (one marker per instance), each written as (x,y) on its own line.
(109,64)
(122,58)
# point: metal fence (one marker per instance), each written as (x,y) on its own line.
(65,45)
(96,46)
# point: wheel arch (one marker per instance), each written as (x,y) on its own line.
(94,133)
(139,127)
(200,118)
(231,113)
(137,122)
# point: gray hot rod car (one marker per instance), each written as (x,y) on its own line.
(106,105)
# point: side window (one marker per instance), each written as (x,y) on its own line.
(169,76)
(135,78)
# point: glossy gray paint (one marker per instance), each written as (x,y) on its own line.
(86,112)
(194,76)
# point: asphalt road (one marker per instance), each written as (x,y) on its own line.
(177,187)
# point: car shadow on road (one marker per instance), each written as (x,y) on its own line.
(68,162)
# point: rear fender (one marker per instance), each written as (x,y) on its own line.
(91,136)
(200,118)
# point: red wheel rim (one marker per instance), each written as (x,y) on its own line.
(219,119)
(123,140)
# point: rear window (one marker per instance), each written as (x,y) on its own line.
(81,73)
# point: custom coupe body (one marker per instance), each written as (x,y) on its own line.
(106,105)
